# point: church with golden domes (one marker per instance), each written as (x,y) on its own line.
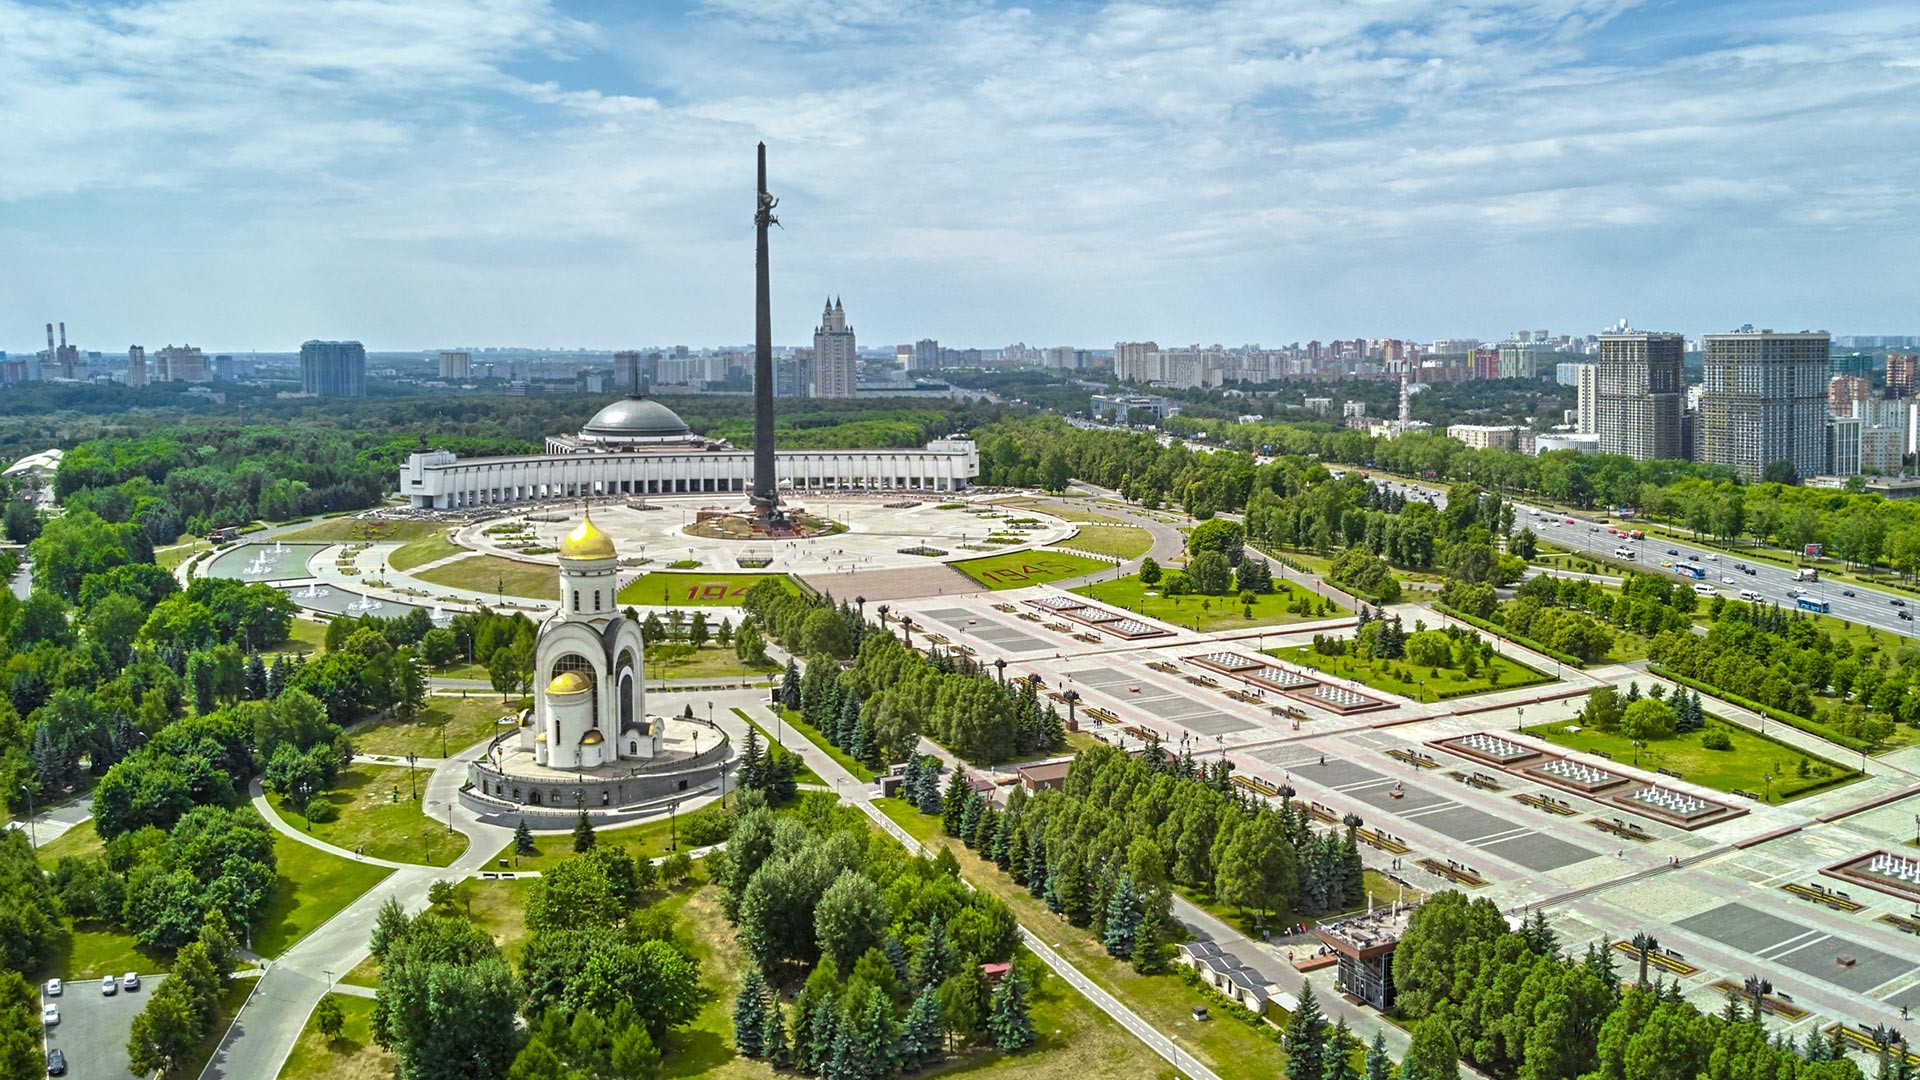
(589,686)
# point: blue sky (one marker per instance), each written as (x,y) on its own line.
(248,174)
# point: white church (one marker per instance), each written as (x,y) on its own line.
(589,687)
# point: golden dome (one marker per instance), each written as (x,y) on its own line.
(542,737)
(586,541)
(569,682)
(591,738)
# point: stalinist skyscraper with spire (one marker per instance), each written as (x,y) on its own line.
(834,363)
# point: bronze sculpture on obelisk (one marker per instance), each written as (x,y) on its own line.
(765,497)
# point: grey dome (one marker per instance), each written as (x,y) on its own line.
(636,418)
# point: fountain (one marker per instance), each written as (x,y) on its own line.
(440,616)
(313,591)
(361,605)
(260,566)
(279,548)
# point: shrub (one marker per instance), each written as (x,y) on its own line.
(1716,740)
(322,812)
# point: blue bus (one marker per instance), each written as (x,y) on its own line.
(1808,603)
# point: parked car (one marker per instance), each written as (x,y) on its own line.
(131,981)
(109,986)
(49,1014)
(54,988)
(56,1062)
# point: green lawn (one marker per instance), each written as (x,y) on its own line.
(1019,569)
(498,907)
(649,840)
(1209,612)
(812,735)
(377,811)
(1743,768)
(309,887)
(1408,680)
(667,589)
(497,575)
(337,530)
(350,1055)
(304,638)
(804,774)
(710,661)
(422,551)
(453,722)
(1077,1041)
(80,841)
(1119,541)
(92,949)
(1227,1046)
(1065,511)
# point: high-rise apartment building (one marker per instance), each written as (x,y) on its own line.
(1518,360)
(456,365)
(1587,413)
(1763,400)
(1843,392)
(835,363)
(136,366)
(1903,374)
(180,363)
(926,354)
(333,368)
(630,372)
(1131,361)
(1639,394)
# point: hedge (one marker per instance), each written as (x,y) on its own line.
(1502,632)
(1799,723)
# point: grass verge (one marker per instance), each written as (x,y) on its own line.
(1211,612)
(802,775)
(422,551)
(1745,766)
(309,887)
(350,1055)
(497,575)
(858,769)
(1119,541)
(380,817)
(1409,680)
(448,725)
(668,589)
(1019,569)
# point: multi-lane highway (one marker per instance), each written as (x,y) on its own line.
(1725,573)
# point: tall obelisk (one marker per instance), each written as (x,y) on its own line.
(765,497)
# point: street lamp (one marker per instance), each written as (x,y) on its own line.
(1644,943)
(305,806)
(33,837)
(412,784)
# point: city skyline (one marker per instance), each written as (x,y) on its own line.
(526,171)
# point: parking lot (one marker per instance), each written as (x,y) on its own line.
(93,1029)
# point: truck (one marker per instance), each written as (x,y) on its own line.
(226,534)
(1806,573)
(1637,534)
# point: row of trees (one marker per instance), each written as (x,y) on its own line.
(1510,1003)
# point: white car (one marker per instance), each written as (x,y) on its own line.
(54,988)
(1711,557)
(109,986)
(1726,581)
(50,1014)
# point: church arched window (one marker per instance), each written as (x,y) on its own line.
(633,747)
(596,599)
(576,599)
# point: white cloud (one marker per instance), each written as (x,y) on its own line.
(965,157)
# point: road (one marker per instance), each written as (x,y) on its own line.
(1868,606)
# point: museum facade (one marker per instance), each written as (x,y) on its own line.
(638,447)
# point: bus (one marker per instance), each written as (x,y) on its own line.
(1622,553)
(1698,573)
(1808,603)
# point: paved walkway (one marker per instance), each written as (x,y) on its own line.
(50,824)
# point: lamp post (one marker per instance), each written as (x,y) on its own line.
(673,827)
(413,786)
(1758,988)
(33,836)
(306,790)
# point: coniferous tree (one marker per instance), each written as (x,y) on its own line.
(582,830)
(1149,946)
(1008,1019)
(954,803)
(254,679)
(984,826)
(822,1033)
(277,677)
(774,1044)
(934,960)
(1123,919)
(920,1039)
(751,773)
(877,1035)
(1306,1038)
(1379,1066)
(1339,1054)
(750,1014)
(790,685)
(522,839)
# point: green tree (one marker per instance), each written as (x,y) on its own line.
(1432,1055)
(920,1040)
(328,1017)
(1647,719)
(850,918)
(1228,538)
(1306,1038)
(165,1033)
(522,839)
(750,1014)
(582,831)
(1149,572)
(21,1033)
(1008,1019)
(1209,571)
(1379,1066)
